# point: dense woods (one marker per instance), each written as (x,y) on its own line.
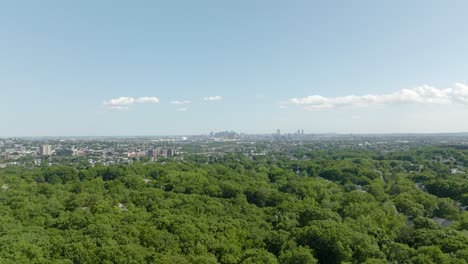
(323,207)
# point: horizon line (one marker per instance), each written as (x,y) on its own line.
(249,134)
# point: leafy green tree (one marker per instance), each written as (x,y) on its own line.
(299,255)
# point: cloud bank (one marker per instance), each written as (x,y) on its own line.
(213,98)
(425,94)
(181,102)
(124,103)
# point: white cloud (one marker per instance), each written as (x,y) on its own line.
(144,100)
(420,95)
(283,106)
(213,98)
(181,102)
(183,109)
(124,103)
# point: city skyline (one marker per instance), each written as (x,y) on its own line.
(123,69)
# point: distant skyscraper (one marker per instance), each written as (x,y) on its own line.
(45,150)
(278,132)
(302,132)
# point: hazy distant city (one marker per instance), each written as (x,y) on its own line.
(114,150)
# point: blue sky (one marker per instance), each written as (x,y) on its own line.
(274,64)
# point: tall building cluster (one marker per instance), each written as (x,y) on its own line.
(298,132)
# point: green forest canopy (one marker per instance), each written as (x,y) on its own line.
(337,207)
